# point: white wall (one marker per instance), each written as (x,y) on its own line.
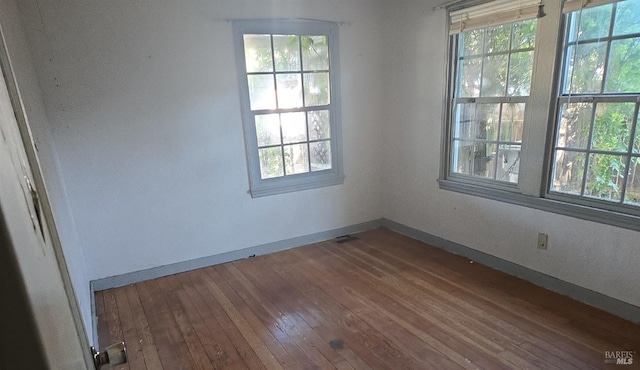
(598,257)
(16,43)
(143,104)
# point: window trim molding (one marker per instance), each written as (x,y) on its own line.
(259,187)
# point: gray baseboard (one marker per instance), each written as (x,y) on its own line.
(178,267)
(601,301)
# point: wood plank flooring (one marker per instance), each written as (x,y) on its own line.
(383,301)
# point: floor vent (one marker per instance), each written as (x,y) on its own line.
(345,238)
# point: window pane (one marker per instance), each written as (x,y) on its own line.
(271,162)
(462,156)
(498,38)
(508,163)
(262,92)
(470,77)
(612,127)
(590,23)
(296,159)
(487,121)
(606,176)
(585,68)
(484,157)
(294,127)
(315,53)
(319,124)
(268,129)
(286,49)
(316,89)
(624,66)
(633,183)
(627,15)
(520,71)
(320,156)
(524,34)
(289,90)
(463,126)
(568,171)
(512,122)
(575,125)
(494,76)
(257,53)
(472,42)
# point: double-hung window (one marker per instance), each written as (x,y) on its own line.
(596,151)
(543,105)
(491,64)
(288,75)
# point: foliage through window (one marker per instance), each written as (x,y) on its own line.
(543,106)
(290,104)
(597,149)
(491,91)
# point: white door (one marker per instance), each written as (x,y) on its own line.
(29,241)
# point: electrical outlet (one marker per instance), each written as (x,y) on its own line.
(543,239)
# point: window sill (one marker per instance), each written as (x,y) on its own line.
(289,185)
(606,217)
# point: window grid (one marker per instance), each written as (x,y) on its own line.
(546,138)
(302,71)
(473,148)
(289,80)
(624,176)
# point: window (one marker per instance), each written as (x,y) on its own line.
(288,72)
(543,106)
(491,82)
(597,148)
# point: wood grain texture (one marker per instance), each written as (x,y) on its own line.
(382,301)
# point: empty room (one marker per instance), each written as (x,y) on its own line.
(318,184)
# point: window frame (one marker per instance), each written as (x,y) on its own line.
(452,103)
(470,184)
(595,98)
(535,174)
(259,187)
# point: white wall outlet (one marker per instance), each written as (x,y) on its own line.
(543,239)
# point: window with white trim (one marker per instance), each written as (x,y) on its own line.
(543,106)
(288,73)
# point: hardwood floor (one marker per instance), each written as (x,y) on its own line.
(384,301)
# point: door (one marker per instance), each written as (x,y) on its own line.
(40,325)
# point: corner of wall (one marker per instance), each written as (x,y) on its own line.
(18,48)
